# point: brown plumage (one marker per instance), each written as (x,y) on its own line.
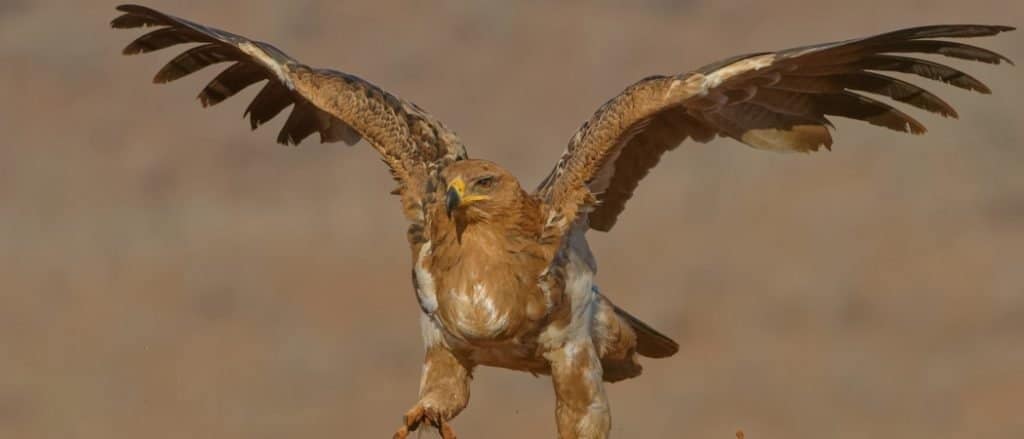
(504,277)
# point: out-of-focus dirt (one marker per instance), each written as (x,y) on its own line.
(164,273)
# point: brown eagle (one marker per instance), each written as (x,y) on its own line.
(504,276)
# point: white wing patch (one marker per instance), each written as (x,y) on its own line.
(267,61)
(719,76)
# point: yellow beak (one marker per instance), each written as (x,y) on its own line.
(456,196)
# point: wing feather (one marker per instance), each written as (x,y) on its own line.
(786,101)
(160,39)
(951,49)
(337,105)
(768,100)
(765,129)
(193,60)
(858,107)
(301,123)
(268,103)
(898,90)
(229,82)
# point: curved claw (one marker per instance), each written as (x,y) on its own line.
(416,416)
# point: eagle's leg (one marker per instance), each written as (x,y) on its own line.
(444,388)
(581,407)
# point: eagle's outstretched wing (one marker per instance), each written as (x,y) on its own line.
(776,101)
(337,105)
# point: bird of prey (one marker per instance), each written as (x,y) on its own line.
(504,276)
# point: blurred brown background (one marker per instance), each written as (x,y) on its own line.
(165,273)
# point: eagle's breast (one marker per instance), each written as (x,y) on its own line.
(476,311)
(479,291)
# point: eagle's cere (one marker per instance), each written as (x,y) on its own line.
(504,277)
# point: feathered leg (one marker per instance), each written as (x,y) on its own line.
(444,388)
(581,407)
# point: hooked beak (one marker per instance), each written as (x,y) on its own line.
(453,198)
(456,196)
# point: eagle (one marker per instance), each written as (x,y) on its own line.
(503,276)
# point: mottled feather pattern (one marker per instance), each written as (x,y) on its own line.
(768,100)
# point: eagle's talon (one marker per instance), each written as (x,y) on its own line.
(415,417)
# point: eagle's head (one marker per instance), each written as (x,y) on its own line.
(479,190)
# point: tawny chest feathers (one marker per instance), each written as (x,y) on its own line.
(480,301)
(479,311)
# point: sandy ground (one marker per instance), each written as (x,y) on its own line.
(165,273)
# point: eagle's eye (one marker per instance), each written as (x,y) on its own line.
(484,183)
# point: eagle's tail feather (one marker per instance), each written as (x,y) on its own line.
(649,342)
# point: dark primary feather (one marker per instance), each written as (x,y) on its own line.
(768,100)
(299,125)
(269,102)
(159,39)
(229,82)
(922,68)
(195,59)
